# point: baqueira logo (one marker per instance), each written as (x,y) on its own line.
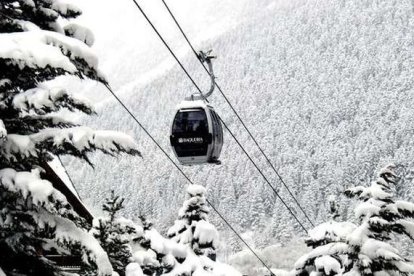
(190,140)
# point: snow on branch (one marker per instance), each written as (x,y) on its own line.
(367,209)
(30,184)
(206,233)
(3,131)
(32,124)
(76,141)
(329,265)
(39,49)
(328,249)
(375,249)
(66,9)
(405,208)
(42,100)
(85,139)
(329,232)
(374,191)
(80,32)
(408,227)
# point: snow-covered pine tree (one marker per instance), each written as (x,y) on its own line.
(380,216)
(40,43)
(154,253)
(328,243)
(192,227)
(191,246)
(364,249)
(115,234)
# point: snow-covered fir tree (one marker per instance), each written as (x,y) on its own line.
(327,240)
(40,42)
(115,234)
(192,227)
(155,254)
(380,217)
(188,250)
(367,248)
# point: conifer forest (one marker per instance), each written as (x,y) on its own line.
(206,138)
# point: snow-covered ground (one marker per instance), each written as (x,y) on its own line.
(325,85)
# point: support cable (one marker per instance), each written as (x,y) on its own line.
(68,175)
(225,125)
(185,176)
(238,117)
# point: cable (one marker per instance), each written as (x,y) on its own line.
(166,45)
(238,116)
(183,174)
(225,125)
(68,175)
(265,178)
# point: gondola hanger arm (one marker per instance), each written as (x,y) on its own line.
(206,57)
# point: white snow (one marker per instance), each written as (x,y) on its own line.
(335,230)
(205,233)
(377,249)
(328,249)
(202,266)
(43,97)
(359,235)
(145,257)
(408,226)
(40,97)
(29,3)
(388,169)
(48,12)
(405,206)
(3,131)
(30,183)
(328,264)
(192,104)
(367,209)
(80,32)
(195,190)
(66,230)
(38,49)
(83,138)
(133,269)
(63,7)
(27,25)
(18,144)
(161,245)
(373,191)
(405,267)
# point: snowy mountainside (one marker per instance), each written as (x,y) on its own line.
(326,88)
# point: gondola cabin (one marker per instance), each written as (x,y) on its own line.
(196,133)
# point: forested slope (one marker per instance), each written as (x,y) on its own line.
(325,86)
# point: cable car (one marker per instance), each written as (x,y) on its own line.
(196,132)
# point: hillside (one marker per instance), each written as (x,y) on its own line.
(325,85)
